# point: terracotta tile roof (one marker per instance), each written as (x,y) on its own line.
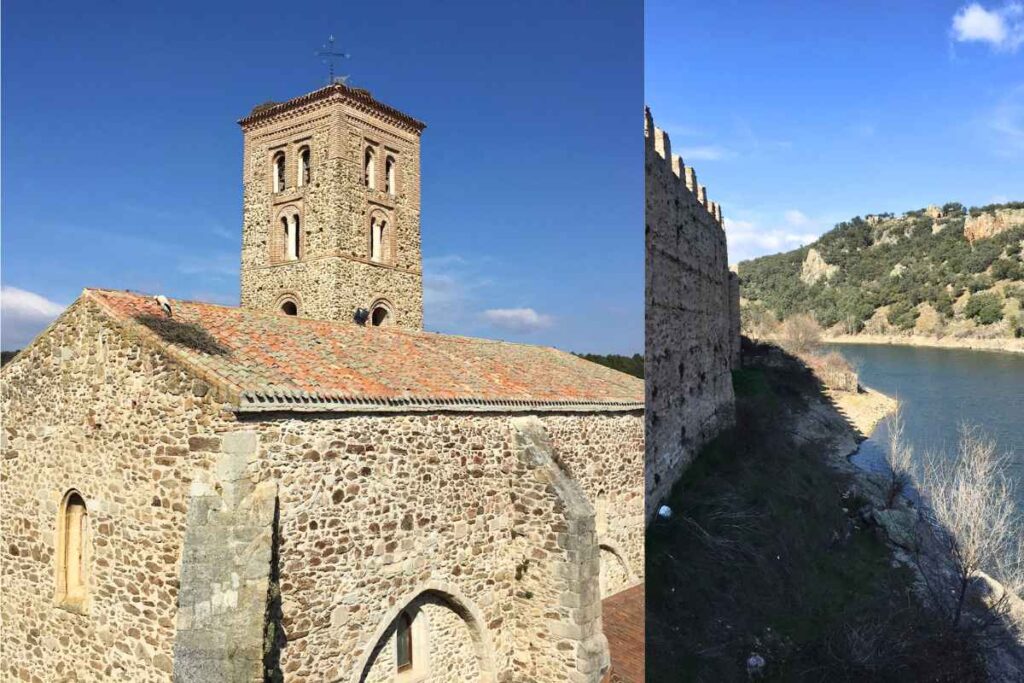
(622,615)
(268,361)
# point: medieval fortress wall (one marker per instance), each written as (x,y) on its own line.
(222,544)
(692,317)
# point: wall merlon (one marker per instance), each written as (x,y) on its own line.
(691,179)
(662,145)
(678,167)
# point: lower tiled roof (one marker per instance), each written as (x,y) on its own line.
(268,361)
(623,615)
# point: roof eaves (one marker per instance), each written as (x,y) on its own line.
(273,400)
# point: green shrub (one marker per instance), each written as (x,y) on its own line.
(985,308)
(902,315)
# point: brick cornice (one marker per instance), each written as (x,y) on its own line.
(355,97)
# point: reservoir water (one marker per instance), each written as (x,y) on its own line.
(940,389)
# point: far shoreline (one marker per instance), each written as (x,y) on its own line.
(1015,346)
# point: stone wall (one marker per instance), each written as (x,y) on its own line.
(494,538)
(376,511)
(334,274)
(226,562)
(85,408)
(691,317)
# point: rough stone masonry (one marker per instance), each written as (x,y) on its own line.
(256,493)
(692,317)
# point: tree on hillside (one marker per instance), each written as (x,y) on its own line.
(985,308)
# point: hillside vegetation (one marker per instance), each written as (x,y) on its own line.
(631,365)
(936,272)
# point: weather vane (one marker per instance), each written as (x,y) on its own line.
(328,54)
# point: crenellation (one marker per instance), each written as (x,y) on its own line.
(658,139)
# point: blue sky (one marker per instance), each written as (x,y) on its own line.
(798,115)
(122,158)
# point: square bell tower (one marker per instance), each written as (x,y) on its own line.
(331,209)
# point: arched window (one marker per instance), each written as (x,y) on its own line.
(72,550)
(304,171)
(293,239)
(279,172)
(378,234)
(389,175)
(378,316)
(290,308)
(370,169)
(403,642)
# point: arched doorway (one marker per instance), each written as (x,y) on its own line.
(433,636)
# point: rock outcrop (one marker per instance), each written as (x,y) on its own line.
(815,268)
(987,225)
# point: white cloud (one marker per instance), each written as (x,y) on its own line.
(1006,122)
(705,153)
(752,238)
(451,283)
(211,265)
(796,218)
(23,315)
(1001,28)
(517,319)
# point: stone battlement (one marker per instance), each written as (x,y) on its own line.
(658,140)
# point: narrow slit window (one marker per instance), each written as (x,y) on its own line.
(304,170)
(72,581)
(369,170)
(376,240)
(389,175)
(293,239)
(403,642)
(279,172)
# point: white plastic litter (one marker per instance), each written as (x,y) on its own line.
(755,664)
(664,512)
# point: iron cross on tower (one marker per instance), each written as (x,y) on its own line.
(328,54)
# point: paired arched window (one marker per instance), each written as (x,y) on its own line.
(305,173)
(389,175)
(72,550)
(370,169)
(279,172)
(378,239)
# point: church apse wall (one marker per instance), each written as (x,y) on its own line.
(692,317)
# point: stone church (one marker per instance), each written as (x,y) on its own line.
(310,487)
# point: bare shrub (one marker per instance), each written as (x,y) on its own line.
(756,321)
(901,456)
(834,371)
(800,334)
(976,526)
